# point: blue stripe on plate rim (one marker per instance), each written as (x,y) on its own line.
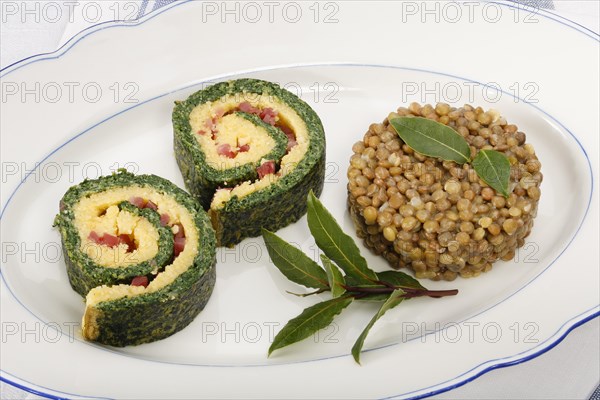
(497,363)
(476,374)
(572,324)
(38,392)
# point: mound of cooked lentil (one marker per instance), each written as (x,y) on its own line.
(438,217)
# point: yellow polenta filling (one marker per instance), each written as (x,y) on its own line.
(237,131)
(90,216)
(93,217)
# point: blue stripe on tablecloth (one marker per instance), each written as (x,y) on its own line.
(161,3)
(142,10)
(547,4)
(596,394)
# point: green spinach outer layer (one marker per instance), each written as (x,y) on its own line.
(283,202)
(147,317)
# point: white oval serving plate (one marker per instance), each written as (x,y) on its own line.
(518,310)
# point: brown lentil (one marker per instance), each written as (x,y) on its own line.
(409,223)
(467,227)
(487,193)
(494,229)
(437,217)
(370,215)
(389,232)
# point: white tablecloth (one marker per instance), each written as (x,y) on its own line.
(571,370)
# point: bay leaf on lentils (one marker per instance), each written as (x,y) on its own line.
(493,168)
(432,138)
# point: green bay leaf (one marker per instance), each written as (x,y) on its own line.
(393,278)
(311,320)
(398,278)
(432,138)
(394,299)
(335,277)
(493,168)
(338,246)
(293,263)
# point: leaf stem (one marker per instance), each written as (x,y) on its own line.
(431,293)
(386,284)
(410,292)
(368,290)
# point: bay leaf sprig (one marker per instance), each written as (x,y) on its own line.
(337,283)
(345,274)
(294,264)
(434,139)
(392,301)
(336,244)
(311,320)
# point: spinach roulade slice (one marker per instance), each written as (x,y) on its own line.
(142,253)
(250,152)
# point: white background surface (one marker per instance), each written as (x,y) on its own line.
(569,371)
